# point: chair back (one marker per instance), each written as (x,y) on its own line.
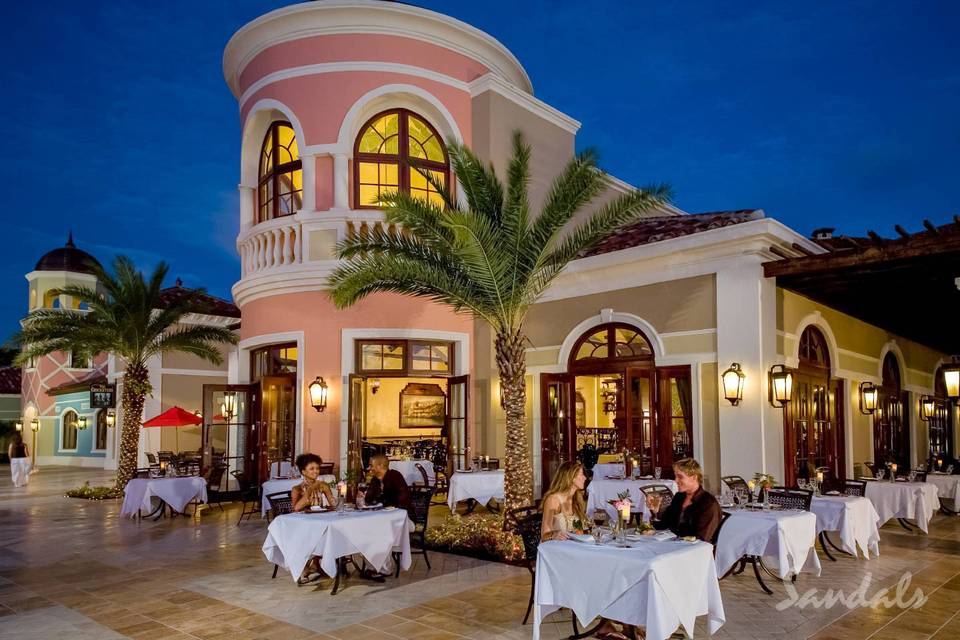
(736,482)
(512,518)
(716,534)
(493,464)
(790,498)
(164,456)
(419,510)
(215,477)
(529,528)
(423,474)
(855,487)
(243,482)
(662,490)
(921,476)
(152,459)
(280,503)
(326,469)
(872,467)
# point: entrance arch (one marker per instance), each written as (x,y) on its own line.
(891,424)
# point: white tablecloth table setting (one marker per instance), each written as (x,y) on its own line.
(293,538)
(482,486)
(854,518)
(176,492)
(603,469)
(948,487)
(279,485)
(916,501)
(659,585)
(408,468)
(600,491)
(788,535)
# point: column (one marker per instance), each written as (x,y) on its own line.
(247,205)
(309,183)
(341,182)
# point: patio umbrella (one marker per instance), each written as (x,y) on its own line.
(174,417)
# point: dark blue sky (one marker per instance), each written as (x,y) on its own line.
(116,122)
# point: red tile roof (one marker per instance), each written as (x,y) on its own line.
(210,305)
(649,230)
(10,379)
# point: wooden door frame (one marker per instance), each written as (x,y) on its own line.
(569,421)
(463,380)
(250,458)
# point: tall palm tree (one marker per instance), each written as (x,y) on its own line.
(489,257)
(131,321)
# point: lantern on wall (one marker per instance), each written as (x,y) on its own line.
(951,379)
(228,408)
(780,385)
(318,394)
(868,398)
(35,425)
(81,423)
(733,379)
(18,425)
(111,419)
(928,408)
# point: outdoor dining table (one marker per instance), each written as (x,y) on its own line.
(916,501)
(175,492)
(294,538)
(279,485)
(854,518)
(601,491)
(660,585)
(408,468)
(788,535)
(482,486)
(948,488)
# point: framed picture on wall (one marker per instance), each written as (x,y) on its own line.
(422,406)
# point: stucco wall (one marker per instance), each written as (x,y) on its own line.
(185,392)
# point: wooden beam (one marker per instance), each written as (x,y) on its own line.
(903,232)
(930,227)
(875,237)
(777,251)
(802,249)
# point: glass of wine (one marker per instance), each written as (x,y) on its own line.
(653,502)
(600,518)
(657,471)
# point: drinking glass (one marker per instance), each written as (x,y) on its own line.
(657,471)
(949,469)
(598,534)
(653,502)
(879,474)
(600,518)
(912,476)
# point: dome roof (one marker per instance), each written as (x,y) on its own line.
(67,258)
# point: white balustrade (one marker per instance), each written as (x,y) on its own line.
(270,245)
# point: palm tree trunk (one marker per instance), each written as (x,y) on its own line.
(136,385)
(518,474)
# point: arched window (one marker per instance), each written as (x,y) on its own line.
(68,431)
(813,349)
(611,342)
(390,147)
(891,372)
(280,184)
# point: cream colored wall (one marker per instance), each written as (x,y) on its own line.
(383,408)
(179,360)
(710,424)
(185,392)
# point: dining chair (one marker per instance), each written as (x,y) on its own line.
(529,529)
(921,476)
(854,488)
(419,513)
(280,503)
(423,474)
(788,498)
(735,483)
(511,519)
(326,469)
(493,464)
(724,516)
(249,494)
(215,491)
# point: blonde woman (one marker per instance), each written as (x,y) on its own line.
(564,506)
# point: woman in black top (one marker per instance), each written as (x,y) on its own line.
(693,511)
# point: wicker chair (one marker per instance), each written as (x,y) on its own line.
(326,469)
(280,503)
(419,512)
(249,493)
(790,498)
(215,490)
(511,519)
(529,528)
(854,488)
(423,474)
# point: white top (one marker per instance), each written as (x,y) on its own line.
(482,486)
(916,501)
(176,492)
(853,517)
(787,535)
(601,491)
(947,485)
(408,468)
(293,538)
(279,485)
(657,585)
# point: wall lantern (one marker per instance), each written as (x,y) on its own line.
(229,407)
(733,383)
(35,425)
(81,423)
(928,408)
(18,425)
(951,379)
(868,398)
(375,386)
(318,394)
(111,419)
(780,385)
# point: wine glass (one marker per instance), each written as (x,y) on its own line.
(657,471)
(600,518)
(654,501)
(879,474)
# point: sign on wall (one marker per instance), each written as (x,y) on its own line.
(103,396)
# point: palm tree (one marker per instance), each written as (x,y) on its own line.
(489,257)
(130,321)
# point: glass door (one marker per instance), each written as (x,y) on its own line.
(458,435)
(640,418)
(356,423)
(557,420)
(277,427)
(228,431)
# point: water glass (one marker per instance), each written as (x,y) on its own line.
(657,471)
(949,469)
(598,533)
(879,474)
(912,476)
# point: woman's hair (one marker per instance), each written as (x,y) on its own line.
(690,467)
(17,438)
(306,458)
(561,484)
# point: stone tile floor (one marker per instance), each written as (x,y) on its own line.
(75,569)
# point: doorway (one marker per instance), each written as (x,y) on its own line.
(891,425)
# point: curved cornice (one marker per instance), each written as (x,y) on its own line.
(368,16)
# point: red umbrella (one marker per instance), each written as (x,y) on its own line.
(174,417)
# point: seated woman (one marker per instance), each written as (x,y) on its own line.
(309,492)
(564,505)
(693,511)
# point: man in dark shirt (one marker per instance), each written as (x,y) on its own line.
(387,486)
(693,511)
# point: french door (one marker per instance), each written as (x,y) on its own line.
(813,428)
(229,429)
(558,438)
(457,430)
(276,428)
(640,418)
(891,429)
(356,423)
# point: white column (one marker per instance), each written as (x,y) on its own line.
(309,163)
(150,438)
(247,205)
(341,182)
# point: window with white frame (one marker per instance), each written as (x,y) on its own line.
(68,430)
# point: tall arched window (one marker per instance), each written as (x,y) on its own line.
(390,147)
(280,184)
(100,441)
(68,431)
(891,426)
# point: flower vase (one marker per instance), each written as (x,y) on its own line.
(622,531)
(766,500)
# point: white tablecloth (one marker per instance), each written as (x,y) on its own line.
(604,469)
(482,486)
(176,492)
(916,501)
(948,486)
(658,585)
(410,473)
(855,518)
(788,536)
(294,538)
(601,491)
(279,485)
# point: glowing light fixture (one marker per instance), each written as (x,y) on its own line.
(375,386)
(35,425)
(733,379)
(781,386)
(928,408)
(81,423)
(951,379)
(18,425)
(229,407)
(318,394)
(868,398)
(111,419)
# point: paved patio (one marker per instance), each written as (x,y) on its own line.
(74,568)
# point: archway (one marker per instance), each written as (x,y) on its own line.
(891,424)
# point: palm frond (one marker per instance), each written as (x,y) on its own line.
(199,340)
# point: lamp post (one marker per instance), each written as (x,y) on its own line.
(928,408)
(951,379)
(34,427)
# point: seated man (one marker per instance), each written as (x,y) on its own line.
(386,485)
(693,511)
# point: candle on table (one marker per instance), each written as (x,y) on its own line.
(486,458)
(819,476)
(625,511)
(893,467)
(342,489)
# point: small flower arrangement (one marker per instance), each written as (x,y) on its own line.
(763,480)
(624,495)
(621,504)
(578,526)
